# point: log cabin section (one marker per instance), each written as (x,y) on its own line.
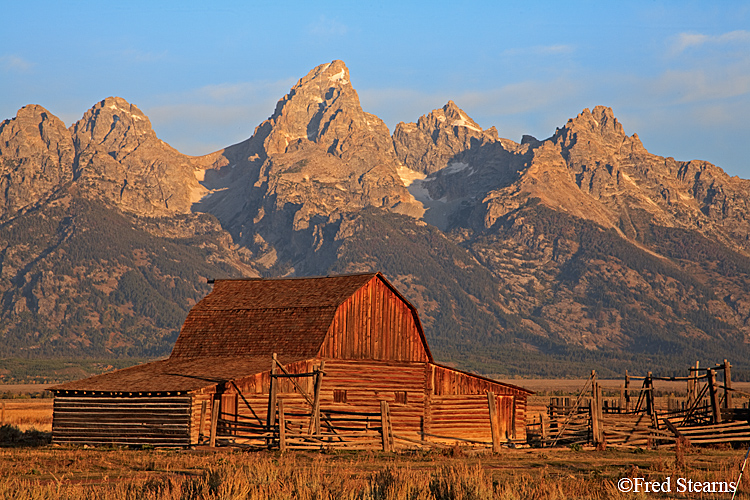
(216,382)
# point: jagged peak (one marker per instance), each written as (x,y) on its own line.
(601,121)
(33,122)
(33,110)
(332,73)
(322,108)
(449,115)
(111,120)
(598,125)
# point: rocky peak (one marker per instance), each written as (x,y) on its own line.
(114,125)
(36,156)
(430,144)
(324,109)
(598,126)
(317,156)
(120,157)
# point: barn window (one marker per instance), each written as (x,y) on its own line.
(401,397)
(339,396)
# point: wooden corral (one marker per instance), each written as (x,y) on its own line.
(337,361)
(705,415)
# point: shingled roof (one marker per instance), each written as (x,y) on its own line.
(233,331)
(173,375)
(257,317)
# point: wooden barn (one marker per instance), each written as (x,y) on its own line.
(305,362)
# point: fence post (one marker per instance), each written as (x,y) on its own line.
(695,382)
(314,426)
(216,403)
(727,385)
(713,393)
(494,424)
(200,422)
(595,412)
(282,426)
(385,426)
(627,392)
(599,404)
(649,394)
(271,413)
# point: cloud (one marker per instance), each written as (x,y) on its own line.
(696,85)
(15,64)
(686,41)
(325,27)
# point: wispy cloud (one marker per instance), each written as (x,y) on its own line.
(326,27)
(699,84)
(15,63)
(685,41)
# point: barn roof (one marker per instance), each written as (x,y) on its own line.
(259,317)
(233,332)
(174,375)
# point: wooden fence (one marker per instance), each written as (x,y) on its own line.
(297,421)
(706,417)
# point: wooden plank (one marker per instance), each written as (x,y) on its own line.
(727,385)
(216,403)
(384,425)
(494,424)
(282,427)
(272,388)
(713,396)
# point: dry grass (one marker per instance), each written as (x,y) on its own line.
(51,472)
(27,414)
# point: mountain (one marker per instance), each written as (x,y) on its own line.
(545,257)
(100,253)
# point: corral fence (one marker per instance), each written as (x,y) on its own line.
(706,415)
(299,422)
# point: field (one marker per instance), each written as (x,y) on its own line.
(47,472)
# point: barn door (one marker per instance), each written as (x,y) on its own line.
(228,415)
(506,413)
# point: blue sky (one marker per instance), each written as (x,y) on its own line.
(207,73)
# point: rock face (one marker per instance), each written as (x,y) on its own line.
(100,254)
(119,156)
(438,137)
(549,257)
(36,158)
(319,155)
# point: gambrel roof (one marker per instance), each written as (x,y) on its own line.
(257,317)
(229,333)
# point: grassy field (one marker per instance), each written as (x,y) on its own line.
(67,473)
(51,472)
(27,413)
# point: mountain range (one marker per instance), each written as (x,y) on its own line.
(541,258)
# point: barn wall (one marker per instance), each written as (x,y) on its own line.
(459,409)
(362,384)
(459,401)
(374,323)
(121,420)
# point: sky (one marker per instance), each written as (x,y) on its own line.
(207,73)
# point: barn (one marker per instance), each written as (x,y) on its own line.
(336,360)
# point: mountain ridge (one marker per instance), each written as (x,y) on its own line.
(542,256)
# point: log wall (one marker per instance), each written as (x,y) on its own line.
(121,420)
(459,409)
